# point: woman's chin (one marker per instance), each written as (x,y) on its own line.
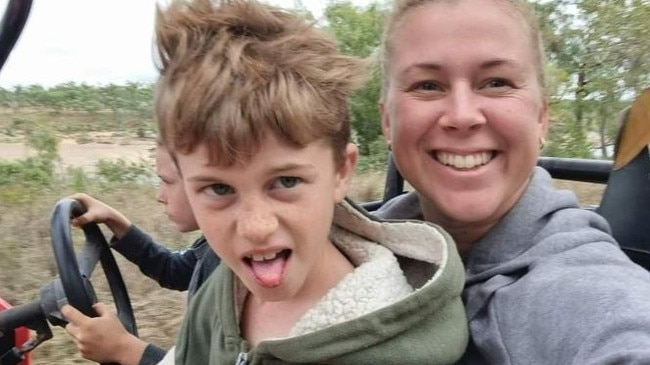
(470,207)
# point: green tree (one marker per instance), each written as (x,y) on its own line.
(358,31)
(603,47)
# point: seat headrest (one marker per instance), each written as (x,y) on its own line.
(634,135)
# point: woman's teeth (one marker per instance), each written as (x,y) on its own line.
(464,161)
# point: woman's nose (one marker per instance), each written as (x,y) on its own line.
(463,111)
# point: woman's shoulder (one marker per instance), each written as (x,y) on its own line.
(403,206)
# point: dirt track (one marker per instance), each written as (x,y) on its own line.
(88,154)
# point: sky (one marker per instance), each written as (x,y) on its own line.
(96,42)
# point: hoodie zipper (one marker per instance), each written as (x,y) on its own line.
(242,359)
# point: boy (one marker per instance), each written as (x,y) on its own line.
(103,338)
(252,103)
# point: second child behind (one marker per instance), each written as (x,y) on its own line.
(252,100)
(103,338)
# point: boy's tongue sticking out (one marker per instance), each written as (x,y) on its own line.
(269,269)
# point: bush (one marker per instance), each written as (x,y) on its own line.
(112,172)
(46,145)
(33,171)
(77,179)
(376,160)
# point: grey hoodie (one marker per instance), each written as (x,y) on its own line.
(549,285)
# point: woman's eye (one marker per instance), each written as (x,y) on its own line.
(497,83)
(427,86)
(286,182)
(221,189)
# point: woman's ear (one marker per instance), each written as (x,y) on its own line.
(543,119)
(345,172)
(385,123)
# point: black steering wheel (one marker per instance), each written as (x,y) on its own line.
(73,285)
(75,272)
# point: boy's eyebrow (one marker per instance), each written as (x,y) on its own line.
(273,171)
(291,167)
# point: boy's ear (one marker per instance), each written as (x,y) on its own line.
(346,171)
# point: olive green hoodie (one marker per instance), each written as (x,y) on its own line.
(377,314)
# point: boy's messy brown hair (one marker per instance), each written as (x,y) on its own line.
(233,70)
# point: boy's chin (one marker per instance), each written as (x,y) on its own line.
(278,293)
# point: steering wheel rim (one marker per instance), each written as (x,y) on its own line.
(75,271)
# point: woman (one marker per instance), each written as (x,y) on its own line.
(465,112)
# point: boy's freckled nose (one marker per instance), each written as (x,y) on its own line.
(257,227)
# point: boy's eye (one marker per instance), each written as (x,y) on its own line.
(221,189)
(286,182)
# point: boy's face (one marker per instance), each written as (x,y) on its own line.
(171,193)
(269,218)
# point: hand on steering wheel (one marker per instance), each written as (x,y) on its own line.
(73,285)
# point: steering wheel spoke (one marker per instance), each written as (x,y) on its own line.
(92,250)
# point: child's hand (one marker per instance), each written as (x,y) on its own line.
(102,339)
(100,212)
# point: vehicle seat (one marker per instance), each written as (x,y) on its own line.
(626,200)
(393,186)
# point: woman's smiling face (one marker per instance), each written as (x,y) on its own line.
(464,110)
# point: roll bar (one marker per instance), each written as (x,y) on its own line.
(12,25)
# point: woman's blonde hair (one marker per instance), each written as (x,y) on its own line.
(519,8)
